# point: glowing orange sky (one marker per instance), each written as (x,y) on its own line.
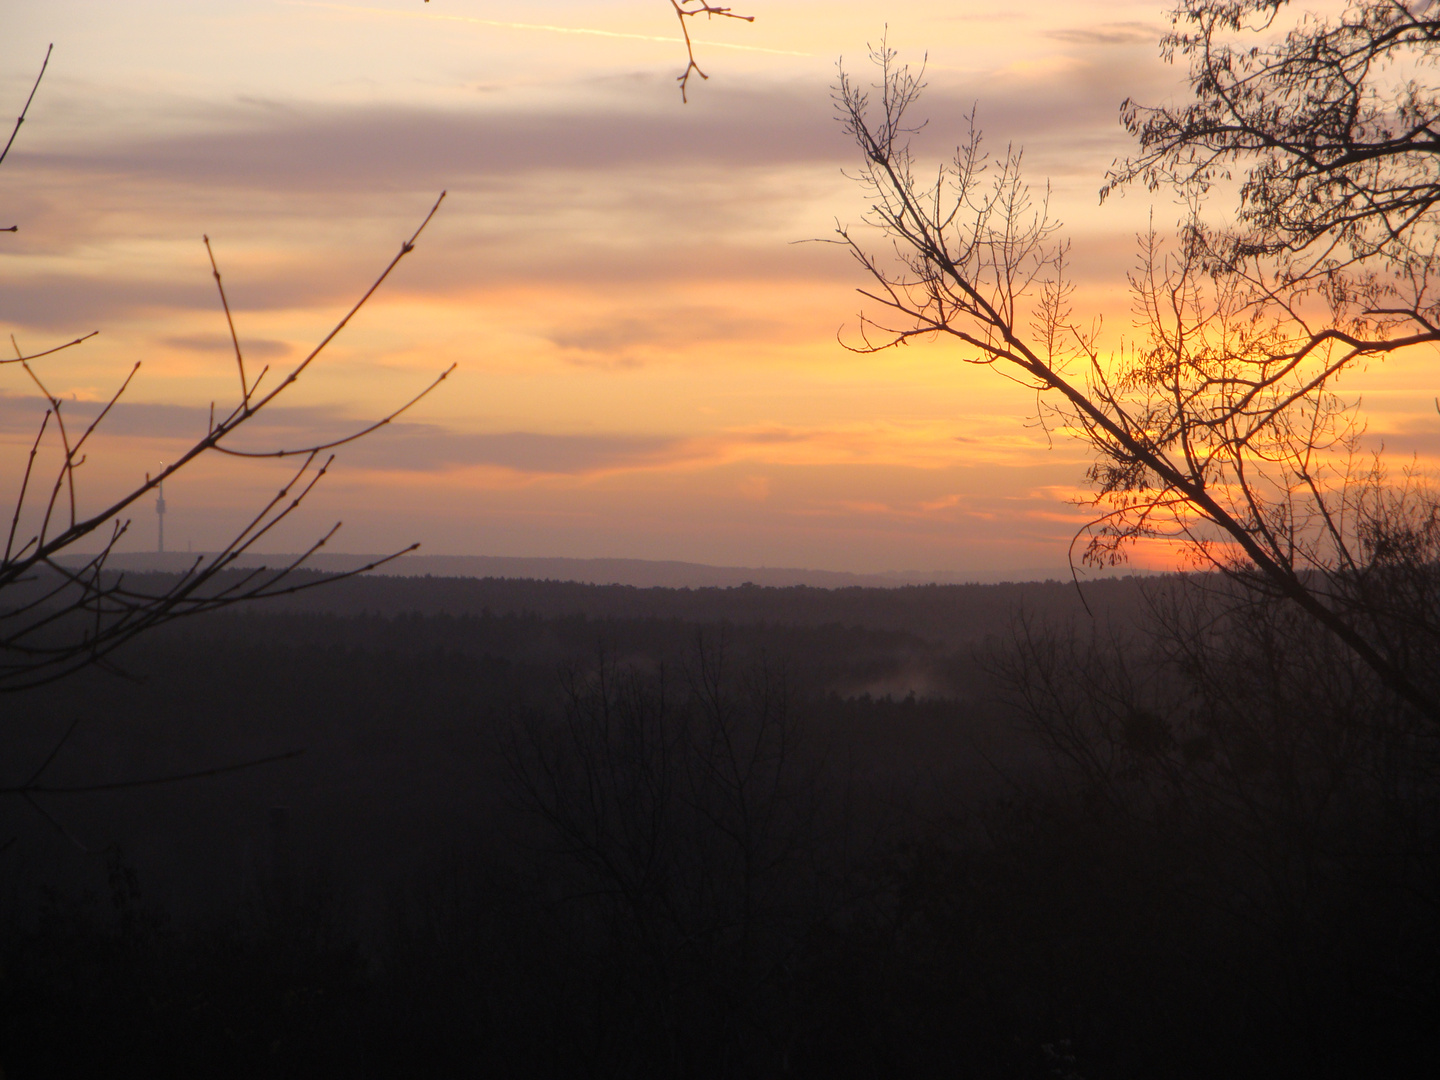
(648,363)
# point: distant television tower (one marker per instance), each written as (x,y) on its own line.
(160,511)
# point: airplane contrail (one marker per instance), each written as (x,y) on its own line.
(539,26)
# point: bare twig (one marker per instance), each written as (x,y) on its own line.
(21,118)
(149,781)
(688,9)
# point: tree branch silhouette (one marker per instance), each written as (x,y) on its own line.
(21,118)
(688,9)
(1221,431)
(57,617)
(75,616)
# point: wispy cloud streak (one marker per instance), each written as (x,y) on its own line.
(543,27)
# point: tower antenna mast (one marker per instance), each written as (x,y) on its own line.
(160,510)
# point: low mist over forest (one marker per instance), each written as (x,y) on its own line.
(536,828)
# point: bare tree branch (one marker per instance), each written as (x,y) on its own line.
(21,118)
(688,9)
(1220,431)
(58,618)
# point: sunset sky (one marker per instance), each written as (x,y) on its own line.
(648,358)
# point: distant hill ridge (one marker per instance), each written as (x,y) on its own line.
(642,573)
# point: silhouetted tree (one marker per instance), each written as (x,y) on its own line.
(1221,429)
(682,818)
(1271,806)
(1332,123)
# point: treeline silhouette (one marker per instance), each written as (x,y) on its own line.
(544,829)
(949,613)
